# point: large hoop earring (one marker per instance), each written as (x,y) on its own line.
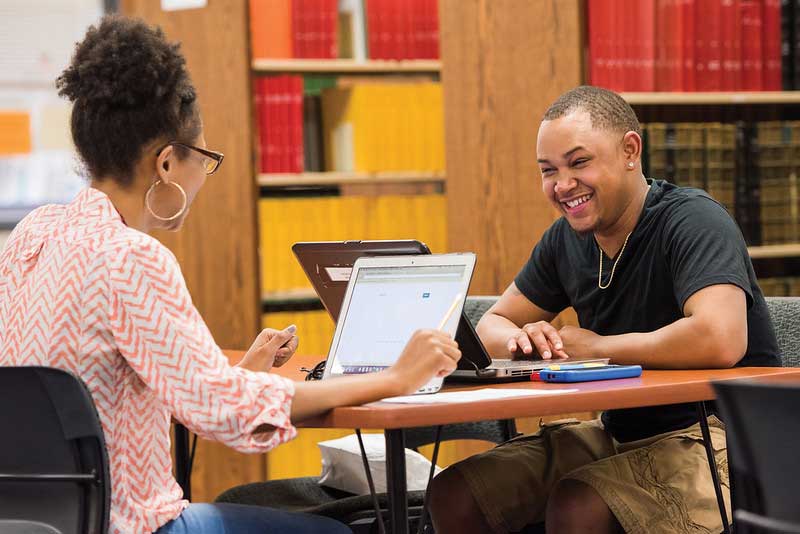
(150,209)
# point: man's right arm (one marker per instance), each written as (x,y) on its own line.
(516,327)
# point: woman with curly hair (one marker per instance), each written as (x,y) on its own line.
(83,287)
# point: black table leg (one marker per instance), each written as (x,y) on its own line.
(183,472)
(712,464)
(396,480)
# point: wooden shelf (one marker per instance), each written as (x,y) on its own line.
(346,66)
(289,295)
(724,98)
(775,251)
(342,178)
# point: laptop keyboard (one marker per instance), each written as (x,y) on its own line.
(500,364)
(362,369)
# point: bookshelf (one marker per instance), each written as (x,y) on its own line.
(300,294)
(790,250)
(347,178)
(345,66)
(716,98)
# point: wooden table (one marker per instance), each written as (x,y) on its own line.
(651,389)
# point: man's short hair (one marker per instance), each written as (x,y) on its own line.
(607,110)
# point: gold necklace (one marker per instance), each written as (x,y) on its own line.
(613,267)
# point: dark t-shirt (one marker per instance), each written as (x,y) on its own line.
(684,241)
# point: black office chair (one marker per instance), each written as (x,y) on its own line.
(763,429)
(53,463)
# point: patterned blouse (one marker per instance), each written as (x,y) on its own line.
(81,291)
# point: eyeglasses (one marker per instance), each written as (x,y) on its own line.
(211,160)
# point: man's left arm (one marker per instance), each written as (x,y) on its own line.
(712,333)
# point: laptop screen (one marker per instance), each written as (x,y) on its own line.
(386,306)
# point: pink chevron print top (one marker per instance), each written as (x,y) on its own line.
(81,291)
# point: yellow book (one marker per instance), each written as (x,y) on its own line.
(438,127)
(344,112)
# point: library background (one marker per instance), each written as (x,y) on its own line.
(415,119)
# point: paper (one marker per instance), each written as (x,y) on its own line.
(15,132)
(177,5)
(474,395)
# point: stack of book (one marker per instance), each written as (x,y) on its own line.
(348,125)
(692,45)
(750,168)
(287,220)
(355,29)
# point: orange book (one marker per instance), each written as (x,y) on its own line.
(271,28)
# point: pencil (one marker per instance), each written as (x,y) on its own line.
(449,312)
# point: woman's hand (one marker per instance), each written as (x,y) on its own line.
(271,347)
(427,354)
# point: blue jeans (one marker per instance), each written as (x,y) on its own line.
(224,518)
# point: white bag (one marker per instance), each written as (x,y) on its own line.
(343,468)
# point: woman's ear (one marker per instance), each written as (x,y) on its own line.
(164,163)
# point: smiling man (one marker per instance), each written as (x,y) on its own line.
(659,275)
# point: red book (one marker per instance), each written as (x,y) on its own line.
(315,15)
(298,29)
(599,42)
(731,45)
(630,71)
(708,46)
(282,123)
(612,51)
(271,121)
(752,67)
(373,35)
(258,116)
(387,26)
(771,45)
(392,8)
(433,28)
(620,45)
(415,25)
(331,33)
(295,124)
(688,8)
(645,45)
(669,46)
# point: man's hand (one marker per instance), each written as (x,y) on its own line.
(581,343)
(271,348)
(541,336)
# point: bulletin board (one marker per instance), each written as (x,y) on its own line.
(38,164)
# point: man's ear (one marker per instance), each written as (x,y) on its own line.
(164,163)
(632,148)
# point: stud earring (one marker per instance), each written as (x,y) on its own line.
(630,164)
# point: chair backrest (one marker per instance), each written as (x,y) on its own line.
(53,460)
(475,307)
(785,314)
(763,430)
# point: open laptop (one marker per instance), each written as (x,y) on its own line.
(328,264)
(386,300)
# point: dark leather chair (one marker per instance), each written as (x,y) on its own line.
(53,463)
